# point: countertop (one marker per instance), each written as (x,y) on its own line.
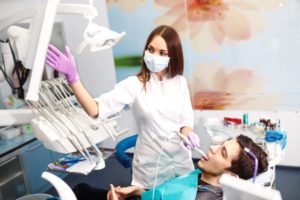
(7,146)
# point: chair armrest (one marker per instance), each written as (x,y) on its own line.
(121,148)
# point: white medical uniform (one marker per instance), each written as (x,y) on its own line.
(160,112)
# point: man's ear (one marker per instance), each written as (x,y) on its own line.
(231,173)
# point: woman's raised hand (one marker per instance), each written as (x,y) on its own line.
(63,63)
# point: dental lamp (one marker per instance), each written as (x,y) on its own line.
(99,38)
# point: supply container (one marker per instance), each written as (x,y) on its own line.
(279,141)
(245,119)
(271,145)
(9,132)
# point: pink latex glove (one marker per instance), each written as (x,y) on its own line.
(62,62)
(194,140)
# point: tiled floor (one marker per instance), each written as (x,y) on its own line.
(288,182)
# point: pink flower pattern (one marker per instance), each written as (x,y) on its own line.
(215,87)
(211,23)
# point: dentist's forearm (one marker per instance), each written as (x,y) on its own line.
(84,98)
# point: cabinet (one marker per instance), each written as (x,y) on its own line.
(13,183)
(35,160)
(21,169)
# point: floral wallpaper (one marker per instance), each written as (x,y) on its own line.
(239,54)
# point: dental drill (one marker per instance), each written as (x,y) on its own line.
(196,149)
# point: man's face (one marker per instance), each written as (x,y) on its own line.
(220,157)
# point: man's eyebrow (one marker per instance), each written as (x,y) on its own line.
(226,140)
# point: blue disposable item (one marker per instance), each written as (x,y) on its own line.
(280,137)
(71,161)
(277,134)
(283,140)
(182,187)
(270,138)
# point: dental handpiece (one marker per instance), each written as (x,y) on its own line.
(187,141)
(200,151)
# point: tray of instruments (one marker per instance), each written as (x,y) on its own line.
(76,163)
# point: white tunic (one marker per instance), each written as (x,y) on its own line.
(160,112)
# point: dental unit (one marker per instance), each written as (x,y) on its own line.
(58,122)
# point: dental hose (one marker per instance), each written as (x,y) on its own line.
(255,160)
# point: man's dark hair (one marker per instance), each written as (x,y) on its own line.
(244,166)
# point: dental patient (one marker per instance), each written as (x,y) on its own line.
(230,157)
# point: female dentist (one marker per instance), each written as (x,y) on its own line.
(160,100)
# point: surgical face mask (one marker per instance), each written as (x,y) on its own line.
(156,63)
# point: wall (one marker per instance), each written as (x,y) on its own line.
(252,72)
(96,69)
(289,121)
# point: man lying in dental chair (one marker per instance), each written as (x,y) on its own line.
(230,157)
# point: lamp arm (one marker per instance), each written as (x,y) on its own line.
(16,17)
(87,11)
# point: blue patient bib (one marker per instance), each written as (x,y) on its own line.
(182,187)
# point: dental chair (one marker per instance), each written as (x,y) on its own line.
(124,159)
(265,179)
(63,190)
(235,189)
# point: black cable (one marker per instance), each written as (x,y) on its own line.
(3,70)
(7,78)
(22,74)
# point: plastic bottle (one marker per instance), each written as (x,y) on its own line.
(271,146)
(245,121)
